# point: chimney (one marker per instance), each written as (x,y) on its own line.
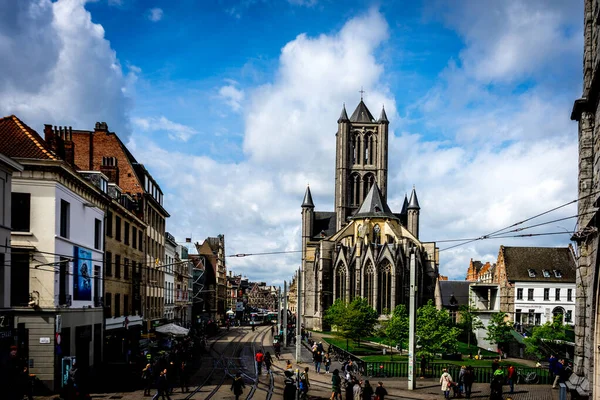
(49,135)
(54,138)
(69,146)
(101,127)
(110,168)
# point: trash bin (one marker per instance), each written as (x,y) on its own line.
(562,391)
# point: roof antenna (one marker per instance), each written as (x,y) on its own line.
(361,91)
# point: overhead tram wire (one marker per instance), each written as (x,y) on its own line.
(520,222)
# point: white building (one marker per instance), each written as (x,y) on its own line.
(170,266)
(57,253)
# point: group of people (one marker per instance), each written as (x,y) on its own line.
(466,376)
(558,369)
(320,357)
(163,375)
(356,389)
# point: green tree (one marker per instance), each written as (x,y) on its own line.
(539,343)
(469,321)
(499,330)
(397,327)
(435,331)
(352,321)
(336,314)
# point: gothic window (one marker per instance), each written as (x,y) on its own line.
(376,235)
(354,193)
(340,282)
(354,150)
(368,180)
(384,289)
(367,149)
(369,285)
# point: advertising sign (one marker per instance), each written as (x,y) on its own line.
(239,306)
(67,364)
(82,279)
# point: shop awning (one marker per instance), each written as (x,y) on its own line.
(172,329)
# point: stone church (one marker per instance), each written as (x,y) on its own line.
(362,248)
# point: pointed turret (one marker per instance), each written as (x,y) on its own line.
(374,206)
(405,205)
(383,117)
(308,201)
(413,204)
(343,116)
(362,113)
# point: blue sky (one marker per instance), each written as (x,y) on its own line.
(232,105)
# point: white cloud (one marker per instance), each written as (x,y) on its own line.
(232,96)
(58,68)
(155,14)
(174,130)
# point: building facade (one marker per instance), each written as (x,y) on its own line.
(214,286)
(362,248)
(586,112)
(102,150)
(171,263)
(57,258)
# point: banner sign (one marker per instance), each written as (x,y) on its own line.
(82,280)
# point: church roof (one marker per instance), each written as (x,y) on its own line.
(343,116)
(404,205)
(324,224)
(383,116)
(374,206)
(308,201)
(454,293)
(362,114)
(413,203)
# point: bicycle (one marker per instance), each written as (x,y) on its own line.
(528,378)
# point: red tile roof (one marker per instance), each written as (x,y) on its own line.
(18,140)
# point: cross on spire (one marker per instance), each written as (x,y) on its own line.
(361,91)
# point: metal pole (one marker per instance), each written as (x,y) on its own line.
(412,323)
(285,319)
(298,318)
(278,308)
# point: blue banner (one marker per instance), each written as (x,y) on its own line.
(82,278)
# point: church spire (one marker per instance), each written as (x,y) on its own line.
(413,203)
(374,205)
(308,201)
(383,117)
(405,205)
(343,116)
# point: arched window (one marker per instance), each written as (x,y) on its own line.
(368,180)
(369,284)
(340,282)
(367,149)
(354,150)
(376,235)
(384,288)
(354,190)
(559,311)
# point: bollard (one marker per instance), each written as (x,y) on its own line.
(562,391)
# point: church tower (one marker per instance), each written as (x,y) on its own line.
(361,159)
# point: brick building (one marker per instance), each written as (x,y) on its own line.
(214,278)
(102,150)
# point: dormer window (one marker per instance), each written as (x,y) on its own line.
(546,273)
(531,273)
(557,273)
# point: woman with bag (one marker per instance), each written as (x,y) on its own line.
(446,382)
(147,379)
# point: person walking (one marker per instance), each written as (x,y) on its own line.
(268,360)
(288,365)
(552,361)
(304,384)
(277,347)
(147,379)
(446,383)
(468,380)
(259,360)
(237,386)
(380,392)
(336,385)
(510,375)
(496,385)
(423,366)
(349,388)
(327,362)
(184,377)
(367,391)
(357,389)
(461,380)
(162,386)
(318,360)
(289,386)
(559,369)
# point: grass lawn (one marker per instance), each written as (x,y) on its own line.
(353,347)
(474,363)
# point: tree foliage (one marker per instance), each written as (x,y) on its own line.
(354,320)
(499,330)
(469,322)
(397,327)
(551,331)
(435,331)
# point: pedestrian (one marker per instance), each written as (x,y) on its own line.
(327,362)
(162,386)
(559,369)
(423,366)
(336,385)
(380,392)
(237,386)
(446,382)
(367,391)
(268,360)
(510,374)
(288,365)
(495,365)
(357,389)
(171,377)
(289,386)
(349,388)
(552,365)
(318,361)
(26,384)
(147,379)
(277,347)
(496,385)
(259,360)
(304,384)
(320,347)
(461,380)
(184,377)
(468,380)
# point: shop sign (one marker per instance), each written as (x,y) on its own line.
(67,364)
(44,340)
